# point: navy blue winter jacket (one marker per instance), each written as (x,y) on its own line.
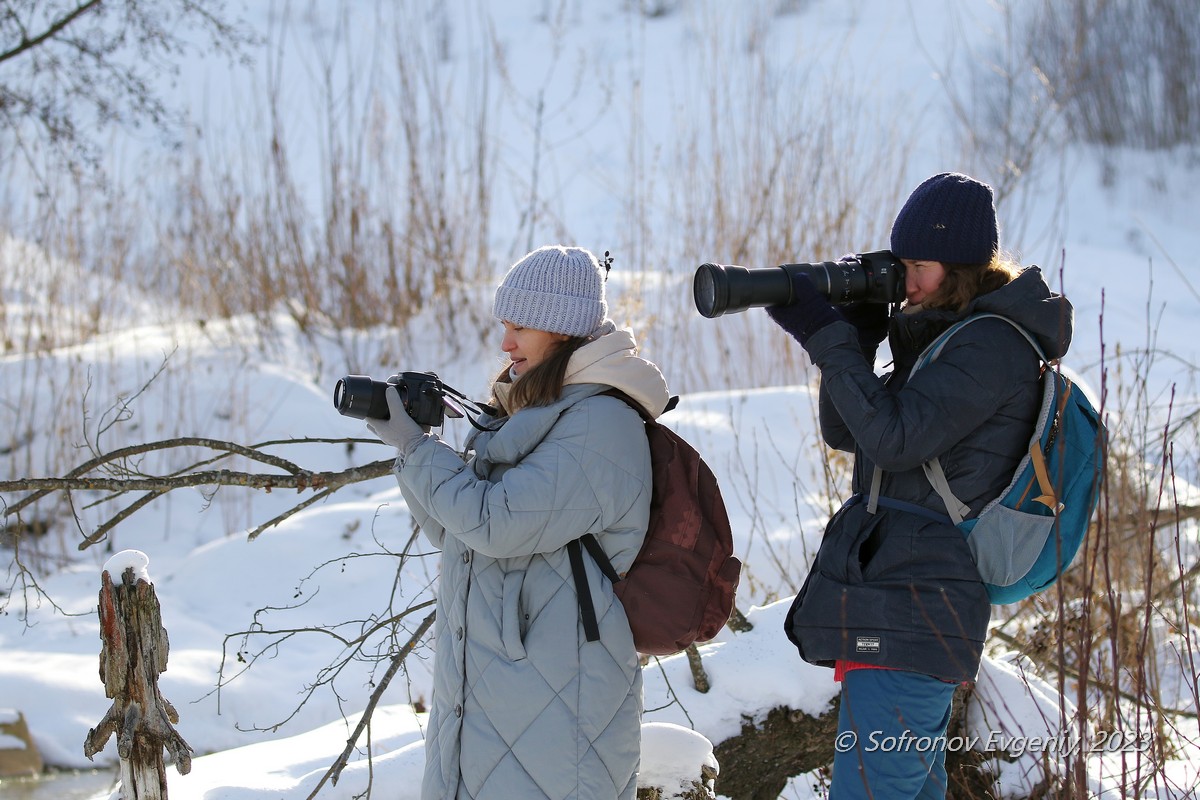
(895,588)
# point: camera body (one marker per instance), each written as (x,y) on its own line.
(876,277)
(361,397)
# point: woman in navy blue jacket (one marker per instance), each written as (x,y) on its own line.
(893,601)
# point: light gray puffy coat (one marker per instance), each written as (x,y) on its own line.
(523,706)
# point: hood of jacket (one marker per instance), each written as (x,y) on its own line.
(1026,300)
(611,359)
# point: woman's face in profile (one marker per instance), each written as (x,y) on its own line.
(921,279)
(528,347)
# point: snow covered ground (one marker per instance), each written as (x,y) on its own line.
(1114,234)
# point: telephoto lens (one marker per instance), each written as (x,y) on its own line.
(876,277)
(722,288)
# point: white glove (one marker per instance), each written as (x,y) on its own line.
(400,431)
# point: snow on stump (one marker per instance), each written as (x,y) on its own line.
(676,763)
(19,756)
(133,653)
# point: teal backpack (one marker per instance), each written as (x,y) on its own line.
(1024,539)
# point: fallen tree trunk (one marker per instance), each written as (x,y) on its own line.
(133,653)
(758,763)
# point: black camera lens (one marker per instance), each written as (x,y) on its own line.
(704,290)
(361,397)
(840,281)
(876,277)
(422,396)
(718,288)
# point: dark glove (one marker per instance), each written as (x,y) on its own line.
(807,313)
(871,322)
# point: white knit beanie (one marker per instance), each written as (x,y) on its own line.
(554,288)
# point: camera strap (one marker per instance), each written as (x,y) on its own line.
(457,401)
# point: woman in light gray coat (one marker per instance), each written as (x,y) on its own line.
(523,705)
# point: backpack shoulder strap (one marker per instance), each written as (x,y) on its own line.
(933,468)
(587,610)
(646,416)
(935,348)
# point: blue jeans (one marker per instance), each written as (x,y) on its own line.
(891,736)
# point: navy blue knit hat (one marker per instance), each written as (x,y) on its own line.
(949,218)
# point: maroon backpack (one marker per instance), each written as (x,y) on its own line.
(680,587)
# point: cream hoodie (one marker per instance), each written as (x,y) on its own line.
(611,359)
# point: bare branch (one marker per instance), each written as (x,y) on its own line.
(49,485)
(101,532)
(271,523)
(118,478)
(335,771)
(53,30)
(299,478)
(223,477)
(73,69)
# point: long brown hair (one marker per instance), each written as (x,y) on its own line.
(964,282)
(541,385)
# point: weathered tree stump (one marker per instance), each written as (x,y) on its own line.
(133,653)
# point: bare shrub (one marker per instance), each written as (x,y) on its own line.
(76,68)
(400,219)
(1116,636)
(767,166)
(1008,112)
(1122,72)
(1125,71)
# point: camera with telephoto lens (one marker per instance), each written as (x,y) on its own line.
(422,393)
(876,277)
